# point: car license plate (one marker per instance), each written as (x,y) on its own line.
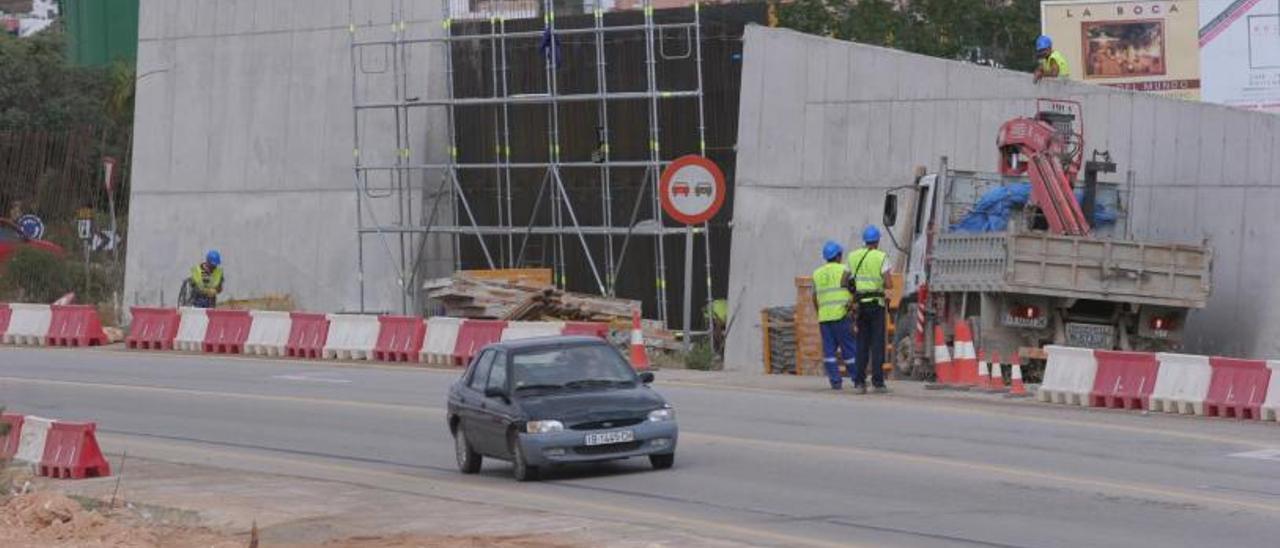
(1087,335)
(606,438)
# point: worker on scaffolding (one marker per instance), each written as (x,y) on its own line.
(870,269)
(206,281)
(1050,62)
(831,298)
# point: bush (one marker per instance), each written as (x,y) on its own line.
(37,276)
(701,358)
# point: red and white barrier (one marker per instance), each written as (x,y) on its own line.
(4,319)
(28,324)
(192,326)
(55,449)
(1181,384)
(307,334)
(268,334)
(531,330)
(1237,388)
(1125,380)
(1271,405)
(1068,375)
(400,338)
(152,328)
(351,337)
(75,325)
(442,338)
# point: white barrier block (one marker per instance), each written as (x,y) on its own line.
(1271,406)
(192,325)
(1182,384)
(351,337)
(1068,375)
(28,324)
(442,337)
(529,330)
(31,439)
(269,334)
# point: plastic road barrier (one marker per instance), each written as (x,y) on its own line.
(351,337)
(71,451)
(4,319)
(152,328)
(31,439)
(474,335)
(1237,388)
(1271,405)
(1068,376)
(28,324)
(1182,385)
(1124,380)
(268,334)
(588,329)
(228,329)
(307,335)
(400,338)
(442,338)
(530,330)
(75,325)
(192,325)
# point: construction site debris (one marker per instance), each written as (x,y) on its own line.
(780,339)
(465,296)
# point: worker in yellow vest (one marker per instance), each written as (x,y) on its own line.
(206,281)
(870,270)
(831,298)
(1050,62)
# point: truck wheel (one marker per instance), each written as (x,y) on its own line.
(903,363)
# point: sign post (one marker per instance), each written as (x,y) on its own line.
(692,190)
(108,173)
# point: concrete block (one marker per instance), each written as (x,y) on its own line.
(1142,142)
(836,70)
(1187,149)
(873,76)
(1261,147)
(815,73)
(814,144)
(837,150)
(1212,131)
(1165,136)
(871,133)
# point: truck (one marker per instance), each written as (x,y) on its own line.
(1048,263)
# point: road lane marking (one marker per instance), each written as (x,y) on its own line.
(848,451)
(1261,454)
(310,378)
(500,494)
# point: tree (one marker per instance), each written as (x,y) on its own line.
(1004,30)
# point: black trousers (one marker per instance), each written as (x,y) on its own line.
(870,348)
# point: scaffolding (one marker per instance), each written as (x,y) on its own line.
(407,179)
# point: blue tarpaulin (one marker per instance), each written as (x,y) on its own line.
(991,213)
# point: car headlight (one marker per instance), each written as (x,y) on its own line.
(544,427)
(661,415)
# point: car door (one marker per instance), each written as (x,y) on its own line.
(499,411)
(471,398)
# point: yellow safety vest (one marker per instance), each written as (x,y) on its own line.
(1059,59)
(867,266)
(213,282)
(833,297)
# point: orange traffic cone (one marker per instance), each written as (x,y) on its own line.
(966,360)
(942,366)
(1018,389)
(995,382)
(639,360)
(983,371)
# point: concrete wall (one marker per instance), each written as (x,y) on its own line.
(244,138)
(827,126)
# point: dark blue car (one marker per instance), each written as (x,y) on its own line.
(557,400)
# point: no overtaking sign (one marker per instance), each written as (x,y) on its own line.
(692,189)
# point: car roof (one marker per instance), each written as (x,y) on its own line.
(537,343)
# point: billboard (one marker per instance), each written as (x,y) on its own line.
(1144,46)
(1240,51)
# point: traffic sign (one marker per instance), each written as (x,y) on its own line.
(692,189)
(32,227)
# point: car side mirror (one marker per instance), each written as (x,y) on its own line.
(646,377)
(495,393)
(890,209)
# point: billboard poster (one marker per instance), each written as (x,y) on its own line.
(1240,51)
(1144,46)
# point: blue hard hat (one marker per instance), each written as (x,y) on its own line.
(213,257)
(871,234)
(1043,43)
(831,250)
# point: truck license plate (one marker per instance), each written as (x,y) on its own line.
(1088,335)
(606,438)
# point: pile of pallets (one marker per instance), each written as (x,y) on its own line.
(778,325)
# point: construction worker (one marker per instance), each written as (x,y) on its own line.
(206,280)
(831,298)
(870,270)
(1052,64)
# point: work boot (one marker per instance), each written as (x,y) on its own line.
(860,389)
(882,390)
(837,386)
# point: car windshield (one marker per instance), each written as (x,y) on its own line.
(570,367)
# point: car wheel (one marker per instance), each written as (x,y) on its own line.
(468,459)
(662,462)
(520,464)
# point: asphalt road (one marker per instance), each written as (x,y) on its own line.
(769,467)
